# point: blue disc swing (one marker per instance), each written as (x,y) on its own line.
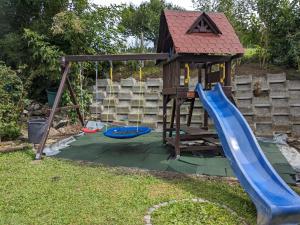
(126,132)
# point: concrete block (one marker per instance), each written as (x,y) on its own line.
(96,108)
(149,121)
(248,110)
(98,88)
(154,82)
(160,115)
(293,85)
(276,78)
(279,94)
(152,104)
(160,104)
(244,102)
(128,82)
(243,79)
(197,104)
(295,110)
(150,95)
(294,94)
(99,95)
(295,119)
(282,129)
(108,116)
(262,110)
(261,101)
(137,89)
(137,102)
(110,101)
(261,82)
(103,83)
(151,110)
(280,106)
(244,87)
(277,87)
(123,109)
(281,119)
(135,116)
(122,119)
(109,109)
(262,119)
(264,129)
(244,94)
(197,118)
(114,89)
(183,119)
(125,95)
(278,110)
(278,90)
(296,130)
(184,110)
(280,102)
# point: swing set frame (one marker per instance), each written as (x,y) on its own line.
(65,81)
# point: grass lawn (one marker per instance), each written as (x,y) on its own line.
(54,191)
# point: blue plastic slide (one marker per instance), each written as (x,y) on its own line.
(275,201)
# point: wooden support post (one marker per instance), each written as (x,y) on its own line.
(228,73)
(73,99)
(189,120)
(172,117)
(65,71)
(199,75)
(205,118)
(165,98)
(177,137)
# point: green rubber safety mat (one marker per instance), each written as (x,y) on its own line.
(148,152)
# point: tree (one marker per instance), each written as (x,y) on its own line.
(281,20)
(143,21)
(241,13)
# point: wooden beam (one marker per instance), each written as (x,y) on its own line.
(189,119)
(177,137)
(228,73)
(120,57)
(51,117)
(165,102)
(172,117)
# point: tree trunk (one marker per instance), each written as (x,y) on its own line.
(142,42)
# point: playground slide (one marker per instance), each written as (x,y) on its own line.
(275,201)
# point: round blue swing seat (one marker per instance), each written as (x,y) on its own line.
(126,132)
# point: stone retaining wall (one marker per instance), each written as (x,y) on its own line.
(271,104)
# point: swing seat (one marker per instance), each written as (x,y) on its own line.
(90,131)
(126,132)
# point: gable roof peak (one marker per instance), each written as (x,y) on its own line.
(204,24)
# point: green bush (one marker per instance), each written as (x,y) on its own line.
(11,103)
(250,55)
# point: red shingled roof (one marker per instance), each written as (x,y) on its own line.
(179,22)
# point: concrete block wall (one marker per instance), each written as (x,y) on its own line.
(270,104)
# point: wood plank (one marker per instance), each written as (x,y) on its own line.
(51,117)
(197,131)
(214,77)
(183,147)
(119,57)
(207,148)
